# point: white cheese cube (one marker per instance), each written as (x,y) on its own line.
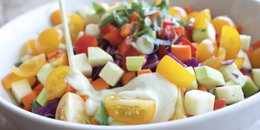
(245,41)
(97,56)
(20,89)
(198,102)
(82,63)
(232,94)
(111,73)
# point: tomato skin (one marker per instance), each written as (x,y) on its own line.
(215,61)
(126,49)
(219,104)
(193,49)
(168,30)
(179,11)
(114,37)
(137,111)
(205,50)
(108,28)
(84,42)
(76,24)
(254,58)
(162,51)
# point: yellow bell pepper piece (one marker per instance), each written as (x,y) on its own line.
(202,19)
(239,62)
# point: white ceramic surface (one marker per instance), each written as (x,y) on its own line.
(14,35)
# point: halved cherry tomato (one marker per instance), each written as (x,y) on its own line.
(56,18)
(10,78)
(126,49)
(130,111)
(108,28)
(31,46)
(254,58)
(230,40)
(30,67)
(239,62)
(55,85)
(114,37)
(176,10)
(48,41)
(60,59)
(71,108)
(202,19)
(76,25)
(205,50)
(215,62)
(219,21)
(193,49)
(193,14)
(84,42)
(168,30)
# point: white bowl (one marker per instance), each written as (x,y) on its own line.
(14,35)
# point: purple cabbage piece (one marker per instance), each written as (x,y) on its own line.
(111,61)
(118,62)
(95,72)
(219,86)
(176,59)
(192,62)
(49,110)
(228,62)
(177,43)
(246,71)
(201,64)
(152,61)
(236,75)
(166,37)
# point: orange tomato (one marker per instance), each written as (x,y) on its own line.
(130,111)
(60,59)
(76,25)
(55,85)
(202,19)
(205,50)
(56,18)
(219,21)
(176,10)
(254,58)
(10,78)
(71,108)
(193,15)
(230,40)
(30,67)
(31,46)
(215,62)
(48,41)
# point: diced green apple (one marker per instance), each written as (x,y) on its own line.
(232,94)
(249,88)
(204,33)
(111,73)
(44,72)
(82,63)
(42,98)
(226,70)
(198,102)
(134,63)
(98,57)
(209,77)
(256,76)
(245,41)
(194,84)
(20,89)
(247,65)
(240,80)
(229,83)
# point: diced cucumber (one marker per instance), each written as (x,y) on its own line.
(198,102)
(44,72)
(229,83)
(20,89)
(204,33)
(134,63)
(232,94)
(111,73)
(209,77)
(245,41)
(194,84)
(256,76)
(249,88)
(226,70)
(247,65)
(241,80)
(118,123)
(42,98)
(97,56)
(81,62)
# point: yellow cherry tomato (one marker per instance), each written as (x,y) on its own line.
(239,62)
(230,40)
(219,21)
(10,78)
(176,10)
(76,24)
(130,111)
(71,108)
(255,58)
(60,59)
(215,62)
(55,85)
(174,72)
(193,14)
(205,50)
(56,17)
(48,41)
(203,19)
(30,67)
(31,46)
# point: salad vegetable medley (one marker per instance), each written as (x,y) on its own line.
(136,63)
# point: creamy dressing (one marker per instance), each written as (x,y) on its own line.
(146,86)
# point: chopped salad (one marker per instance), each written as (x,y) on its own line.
(136,63)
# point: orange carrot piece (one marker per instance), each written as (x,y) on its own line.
(145,71)
(239,29)
(133,17)
(202,88)
(195,44)
(28,99)
(256,44)
(182,52)
(180,30)
(100,84)
(90,80)
(69,88)
(84,97)
(249,51)
(126,30)
(188,9)
(51,55)
(153,16)
(94,122)
(38,88)
(127,77)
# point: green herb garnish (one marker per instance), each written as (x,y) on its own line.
(86,119)
(103,118)
(99,9)
(35,105)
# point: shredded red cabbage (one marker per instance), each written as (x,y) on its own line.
(192,62)
(95,72)
(177,43)
(236,75)
(152,61)
(228,62)
(166,37)
(201,64)
(49,110)
(246,71)
(176,59)
(219,86)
